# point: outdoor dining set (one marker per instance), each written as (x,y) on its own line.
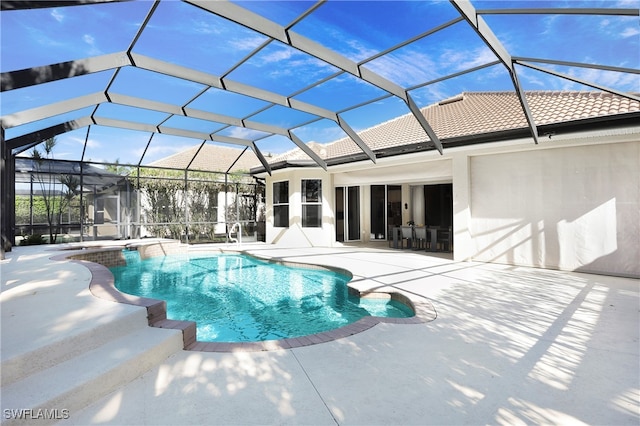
(427,238)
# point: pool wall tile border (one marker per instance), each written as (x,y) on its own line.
(102,285)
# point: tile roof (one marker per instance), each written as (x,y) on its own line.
(469,113)
(214,158)
(474,113)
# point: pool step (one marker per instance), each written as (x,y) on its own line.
(75,383)
(64,346)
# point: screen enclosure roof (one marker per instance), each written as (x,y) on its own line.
(134,82)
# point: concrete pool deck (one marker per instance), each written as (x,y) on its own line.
(510,345)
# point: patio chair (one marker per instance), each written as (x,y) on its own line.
(421,238)
(445,239)
(407,235)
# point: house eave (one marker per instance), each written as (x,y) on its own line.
(545,130)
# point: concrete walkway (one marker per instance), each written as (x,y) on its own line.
(510,345)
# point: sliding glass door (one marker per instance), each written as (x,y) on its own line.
(348,213)
(386,209)
(353,213)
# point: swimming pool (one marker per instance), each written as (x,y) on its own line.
(239,298)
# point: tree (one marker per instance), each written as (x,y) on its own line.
(163,205)
(173,206)
(202,206)
(118,169)
(55,200)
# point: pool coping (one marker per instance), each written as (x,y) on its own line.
(102,285)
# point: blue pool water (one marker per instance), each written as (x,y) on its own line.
(238,298)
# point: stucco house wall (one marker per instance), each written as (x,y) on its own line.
(295,235)
(572,202)
(571,207)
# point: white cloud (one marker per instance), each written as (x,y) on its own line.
(405,68)
(629,32)
(605,23)
(89,39)
(302,68)
(246,43)
(432,93)
(462,60)
(42,38)
(361,51)
(91,143)
(202,27)
(348,47)
(243,133)
(57,15)
(528,77)
(91,42)
(156,151)
(319,134)
(617,29)
(627,3)
(610,79)
(550,25)
(277,56)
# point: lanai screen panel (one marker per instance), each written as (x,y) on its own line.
(280,75)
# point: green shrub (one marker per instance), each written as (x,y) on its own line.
(33,239)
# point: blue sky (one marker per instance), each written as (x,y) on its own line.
(188,36)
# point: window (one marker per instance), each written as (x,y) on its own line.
(281,204)
(311,203)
